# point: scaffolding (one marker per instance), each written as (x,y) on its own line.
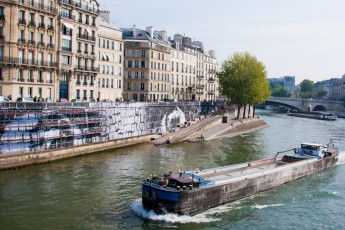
(42,126)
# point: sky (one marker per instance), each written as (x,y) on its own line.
(301,38)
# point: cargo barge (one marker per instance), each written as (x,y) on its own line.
(189,193)
(314,115)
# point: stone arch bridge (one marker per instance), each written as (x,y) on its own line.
(307,104)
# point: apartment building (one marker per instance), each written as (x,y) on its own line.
(183,69)
(28,60)
(110,59)
(207,86)
(211,81)
(78,66)
(147,65)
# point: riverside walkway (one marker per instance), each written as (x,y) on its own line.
(211,128)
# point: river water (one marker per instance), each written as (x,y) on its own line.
(103,190)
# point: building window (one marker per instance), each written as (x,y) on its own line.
(142,86)
(39,92)
(30,91)
(66,60)
(66,45)
(21,91)
(66,31)
(49,93)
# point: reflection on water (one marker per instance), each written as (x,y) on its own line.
(103,190)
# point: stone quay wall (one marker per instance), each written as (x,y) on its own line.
(41,132)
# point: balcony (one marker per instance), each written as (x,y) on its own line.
(41,44)
(92,84)
(79,67)
(32,23)
(40,81)
(78,83)
(211,80)
(2,38)
(2,18)
(200,76)
(68,49)
(78,51)
(31,43)
(21,79)
(30,80)
(37,5)
(86,52)
(68,16)
(211,92)
(200,86)
(22,21)
(50,46)
(41,25)
(21,41)
(51,27)
(86,37)
(93,53)
(84,83)
(49,81)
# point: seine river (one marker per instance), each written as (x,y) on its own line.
(102,191)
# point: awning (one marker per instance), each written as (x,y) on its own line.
(108,56)
(88,31)
(69,26)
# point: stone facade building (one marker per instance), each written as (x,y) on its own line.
(147,65)
(68,49)
(183,69)
(28,60)
(77,49)
(110,59)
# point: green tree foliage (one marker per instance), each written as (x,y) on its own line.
(306,94)
(243,80)
(321,93)
(306,86)
(280,91)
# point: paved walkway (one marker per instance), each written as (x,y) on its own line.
(206,129)
(173,137)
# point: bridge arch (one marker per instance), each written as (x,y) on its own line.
(320,108)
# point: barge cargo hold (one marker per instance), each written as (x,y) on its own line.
(192,192)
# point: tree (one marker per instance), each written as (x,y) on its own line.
(280,91)
(243,80)
(306,86)
(321,93)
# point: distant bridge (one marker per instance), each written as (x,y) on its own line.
(307,104)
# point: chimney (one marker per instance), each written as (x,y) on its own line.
(106,15)
(150,31)
(212,53)
(135,33)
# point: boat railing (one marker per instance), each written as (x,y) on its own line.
(275,157)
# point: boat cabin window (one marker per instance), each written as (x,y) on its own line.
(311,147)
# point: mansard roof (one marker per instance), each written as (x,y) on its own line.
(142,35)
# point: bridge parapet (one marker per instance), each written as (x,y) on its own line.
(309,104)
